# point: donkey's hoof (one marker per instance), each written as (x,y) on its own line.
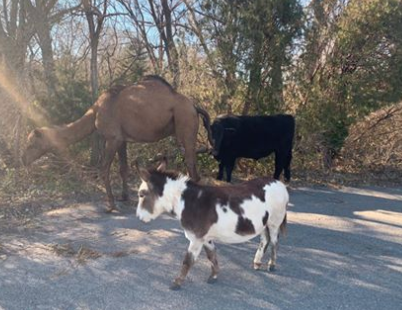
(175,286)
(212,279)
(272,268)
(260,267)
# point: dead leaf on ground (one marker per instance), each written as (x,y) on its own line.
(85,253)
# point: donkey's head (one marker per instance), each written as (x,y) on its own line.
(160,191)
(150,192)
(37,145)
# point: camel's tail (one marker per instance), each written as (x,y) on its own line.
(206,121)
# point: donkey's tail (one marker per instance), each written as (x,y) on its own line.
(283,228)
(206,121)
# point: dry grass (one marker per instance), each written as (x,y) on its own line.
(82,254)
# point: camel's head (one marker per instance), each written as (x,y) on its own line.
(37,145)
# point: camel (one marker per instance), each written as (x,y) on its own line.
(144,112)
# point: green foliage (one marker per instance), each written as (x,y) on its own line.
(132,63)
(73,95)
(352,66)
(254,43)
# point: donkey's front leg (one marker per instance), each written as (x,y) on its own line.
(211,254)
(192,254)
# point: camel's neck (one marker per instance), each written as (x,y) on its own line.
(75,131)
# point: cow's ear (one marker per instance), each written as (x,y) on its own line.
(162,165)
(230,131)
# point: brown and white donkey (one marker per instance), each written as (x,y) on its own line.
(227,214)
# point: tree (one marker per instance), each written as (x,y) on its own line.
(95,18)
(352,65)
(253,44)
(159,15)
(15,34)
(42,15)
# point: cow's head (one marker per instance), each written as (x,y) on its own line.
(219,134)
(150,191)
(37,145)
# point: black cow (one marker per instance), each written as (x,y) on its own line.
(253,137)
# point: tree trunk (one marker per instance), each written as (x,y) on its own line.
(39,19)
(173,55)
(97,143)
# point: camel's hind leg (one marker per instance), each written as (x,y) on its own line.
(186,128)
(110,151)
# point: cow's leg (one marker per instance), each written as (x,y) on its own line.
(279,164)
(287,166)
(229,169)
(110,151)
(122,152)
(220,173)
(210,249)
(262,248)
(192,254)
(273,234)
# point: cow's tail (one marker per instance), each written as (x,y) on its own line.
(206,120)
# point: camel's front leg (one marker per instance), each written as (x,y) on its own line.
(110,151)
(192,254)
(122,152)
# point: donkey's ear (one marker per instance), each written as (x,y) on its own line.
(143,173)
(162,165)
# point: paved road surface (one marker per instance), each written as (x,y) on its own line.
(343,251)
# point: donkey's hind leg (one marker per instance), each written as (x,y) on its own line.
(210,249)
(262,248)
(274,235)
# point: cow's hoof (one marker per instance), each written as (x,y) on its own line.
(212,279)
